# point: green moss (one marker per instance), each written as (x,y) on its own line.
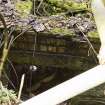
(55,1)
(93,34)
(68,5)
(24,7)
(62,31)
(7,96)
(75,6)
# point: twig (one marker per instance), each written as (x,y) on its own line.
(21,86)
(5,74)
(91,46)
(5,48)
(20,34)
(13,70)
(34,7)
(39,6)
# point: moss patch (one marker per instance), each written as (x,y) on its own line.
(24,7)
(62,31)
(93,34)
(68,4)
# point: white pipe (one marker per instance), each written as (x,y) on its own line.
(70,88)
(98,9)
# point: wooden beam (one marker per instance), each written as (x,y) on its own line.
(70,88)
